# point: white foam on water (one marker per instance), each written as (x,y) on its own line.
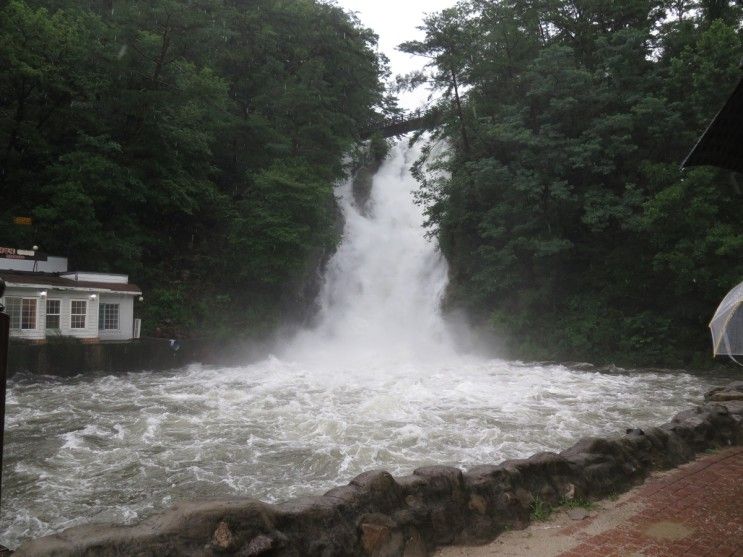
(375,383)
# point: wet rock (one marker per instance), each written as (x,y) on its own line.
(349,498)
(667,449)
(442,492)
(381,490)
(412,487)
(730,392)
(223,539)
(492,505)
(446,524)
(735,407)
(362,182)
(414,545)
(569,493)
(316,525)
(477,504)
(524,497)
(442,480)
(187,528)
(260,545)
(380,536)
(704,427)
(607,465)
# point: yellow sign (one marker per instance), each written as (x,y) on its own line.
(25,221)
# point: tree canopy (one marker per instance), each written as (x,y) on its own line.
(571,231)
(190,143)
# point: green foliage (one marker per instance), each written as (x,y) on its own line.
(577,503)
(379,148)
(287,212)
(539,510)
(191,144)
(570,229)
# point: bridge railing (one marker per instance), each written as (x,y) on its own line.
(404,123)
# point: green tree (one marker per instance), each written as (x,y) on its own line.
(151,137)
(570,230)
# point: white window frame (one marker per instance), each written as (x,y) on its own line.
(57,314)
(102,318)
(73,315)
(21,325)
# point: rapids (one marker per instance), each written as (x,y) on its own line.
(376,382)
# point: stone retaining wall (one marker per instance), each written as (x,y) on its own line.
(381,516)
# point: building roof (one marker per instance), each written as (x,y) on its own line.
(53,280)
(722,142)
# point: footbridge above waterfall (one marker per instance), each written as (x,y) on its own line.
(405,123)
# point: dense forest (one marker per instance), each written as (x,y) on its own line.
(571,230)
(192,144)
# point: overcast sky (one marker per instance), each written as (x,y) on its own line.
(395,21)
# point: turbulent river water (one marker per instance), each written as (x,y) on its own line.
(376,383)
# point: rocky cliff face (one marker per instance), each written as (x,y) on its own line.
(378,515)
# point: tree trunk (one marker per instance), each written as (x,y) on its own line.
(457,100)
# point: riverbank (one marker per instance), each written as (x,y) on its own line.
(693,510)
(377,514)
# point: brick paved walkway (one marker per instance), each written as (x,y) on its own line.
(694,511)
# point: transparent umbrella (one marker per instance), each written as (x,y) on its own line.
(727,325)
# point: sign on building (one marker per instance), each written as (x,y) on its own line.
(26,254)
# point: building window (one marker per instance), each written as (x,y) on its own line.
(14,311)
(22,312)
(78,314)
(52,314)
(108,317)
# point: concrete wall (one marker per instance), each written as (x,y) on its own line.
(66,357)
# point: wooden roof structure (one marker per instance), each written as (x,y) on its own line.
(722,143)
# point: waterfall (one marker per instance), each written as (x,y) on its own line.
(383,287)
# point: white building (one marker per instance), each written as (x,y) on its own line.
(44,299)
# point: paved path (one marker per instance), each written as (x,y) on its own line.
(693,511)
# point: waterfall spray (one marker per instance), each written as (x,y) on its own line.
(383,288)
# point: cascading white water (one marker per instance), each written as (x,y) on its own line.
(380,304)
(375,384)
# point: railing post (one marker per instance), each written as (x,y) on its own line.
(4,333)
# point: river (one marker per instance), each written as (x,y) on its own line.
(376,382)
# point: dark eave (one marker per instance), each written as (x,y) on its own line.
(53,280)
(722,142)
